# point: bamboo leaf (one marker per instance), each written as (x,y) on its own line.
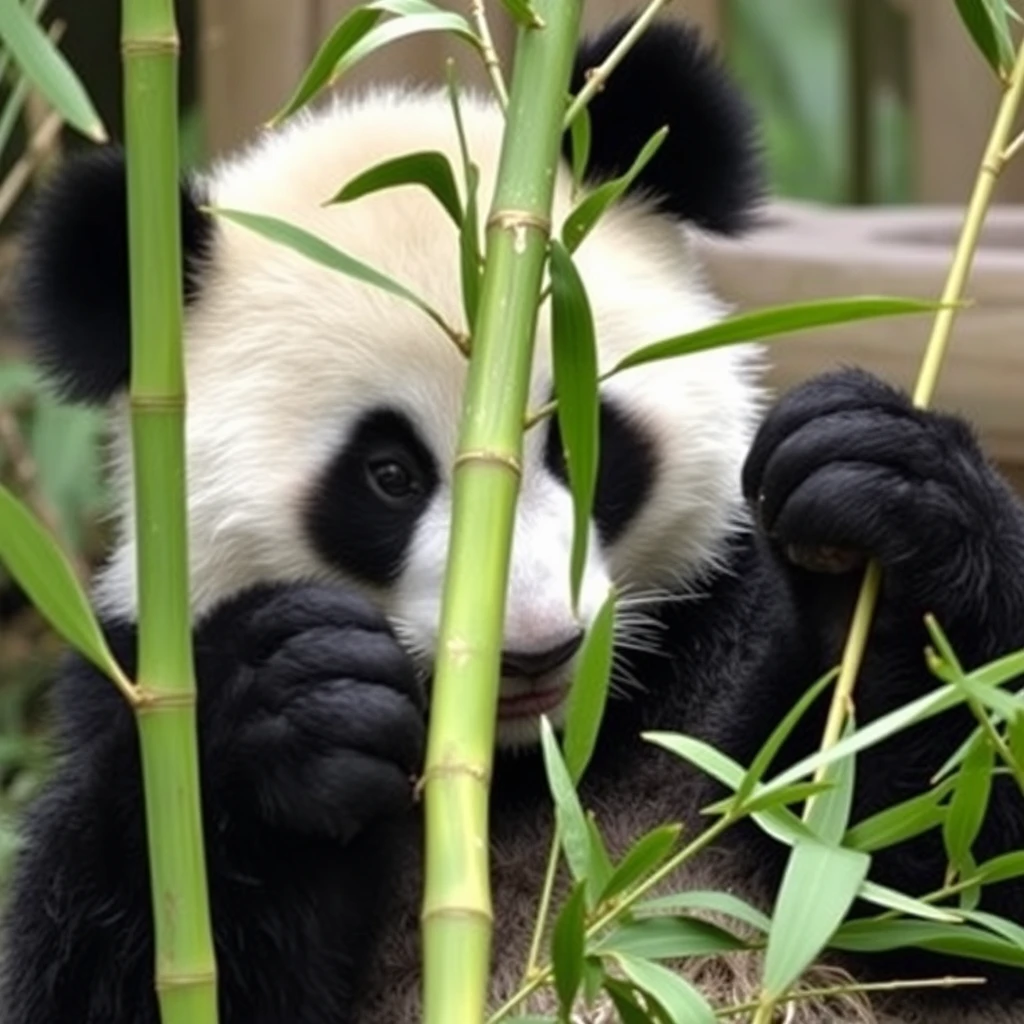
(772,322)
(1001,868)
(567,943)
(568,812)
(969,803)
(580,134)
(523,12)
(900,822)
(574,350)
(959,940)
(718,902)
(668,938)
(828,814)
(429,169)
(44,65)
(802,927)
(593,979)
(680,1000)
(589,692)
(626,1005)
(1009,930)
(797,793)
(316,249)
(883,896)
(762,761)
(470,262)
(582,219)
(599,864)
(40,568)
(648,853)
(988,25)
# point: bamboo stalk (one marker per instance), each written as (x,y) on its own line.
(165,711)
(457,917)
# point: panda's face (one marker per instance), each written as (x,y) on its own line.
(323,414)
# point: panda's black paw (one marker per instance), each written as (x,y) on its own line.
(845,468)
(317,719)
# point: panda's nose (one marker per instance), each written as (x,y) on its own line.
(529,664)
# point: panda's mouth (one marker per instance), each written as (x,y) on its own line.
(520,698)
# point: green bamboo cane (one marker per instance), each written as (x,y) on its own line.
(165,709)
(457,917)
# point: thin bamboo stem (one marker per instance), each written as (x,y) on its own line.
(457,915)
(165,711)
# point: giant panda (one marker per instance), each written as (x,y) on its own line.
(321,429)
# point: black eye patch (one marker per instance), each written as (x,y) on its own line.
(626,472)
(362,511)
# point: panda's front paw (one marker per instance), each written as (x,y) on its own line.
(845,468)
(317,723)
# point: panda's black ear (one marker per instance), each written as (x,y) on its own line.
(72,286)
(708,170)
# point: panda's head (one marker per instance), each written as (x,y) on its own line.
(323,413)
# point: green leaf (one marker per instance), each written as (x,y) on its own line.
(900,822)
(567,948)
(680,1000)
(593,979)
(568,812)
(429,169)
(574,351)
(44,65)
(883,896)
(316,249)
(589,692)
(778,822)
(797,793)
(999,869)
(1009,930)
(764,757)
(718,902)
(987,22)
(969,803)
(41,569)
(957,939)
(353,38)
(626,1004)
(599,865)
(774,321)
(580,135)
(801,926)
(668,938)
(470,260)
(828,814)
(647,854)
(523,12)
(582,219)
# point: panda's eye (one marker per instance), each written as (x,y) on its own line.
(394,479)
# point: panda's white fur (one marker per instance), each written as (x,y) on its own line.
(265,412)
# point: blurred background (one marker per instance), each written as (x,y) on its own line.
(874,116)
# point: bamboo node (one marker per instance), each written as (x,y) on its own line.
(489,456)
(166,45)
(449,771)
(185,979)
(456,913)
(519,220)
(147,701)
(158,403)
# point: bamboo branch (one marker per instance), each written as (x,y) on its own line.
(457,912)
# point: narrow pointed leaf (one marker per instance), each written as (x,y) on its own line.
(316,249)
(44,65)
(987,23)
(900,822)
(1001,868)
(470,260)
(626,1004)
(599,864)
(797,793)
(890,899)
(429,169)
(668,938)
(828,814)
(569,814)
(580,134)
(567,948)
(574,351)
(718,902)
(774,322)
(762,761)
(582,219)
(589,693)
(1009,930)
(679,999)
(969,803)
(593,979)
(646,855)
(958,939)
(801,926)
(36,562)
(523,13)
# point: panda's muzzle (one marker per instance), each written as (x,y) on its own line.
(533,664)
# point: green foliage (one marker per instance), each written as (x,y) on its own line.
(988,22)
